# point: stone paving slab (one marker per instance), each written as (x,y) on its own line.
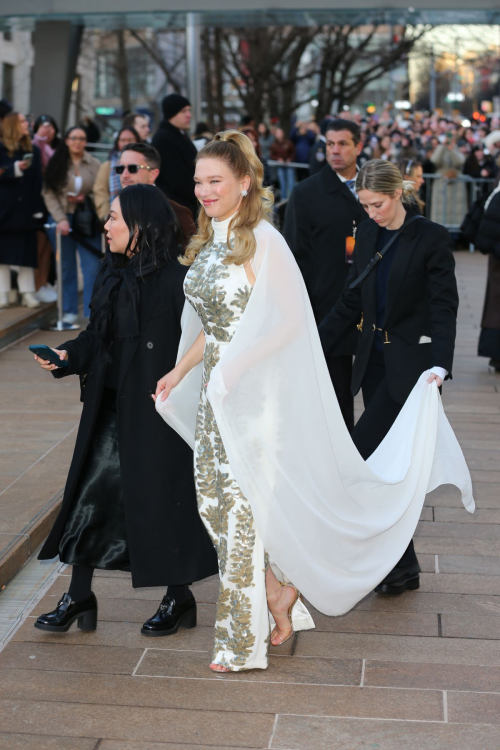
(419,672)
(348,734)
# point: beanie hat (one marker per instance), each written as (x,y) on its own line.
(172,105)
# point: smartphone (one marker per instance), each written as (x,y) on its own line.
(28,158)
(45,352)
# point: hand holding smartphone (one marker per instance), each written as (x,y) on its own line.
(48,355)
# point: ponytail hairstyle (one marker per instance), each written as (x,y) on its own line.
(382,176)
(237,151)
(56,173)
(407,168)
(12,137)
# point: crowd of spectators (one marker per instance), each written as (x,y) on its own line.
(53,181)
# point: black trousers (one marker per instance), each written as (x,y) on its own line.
(377,419)
(340,369)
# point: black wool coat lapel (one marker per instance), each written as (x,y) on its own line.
(406,245)
(146,307)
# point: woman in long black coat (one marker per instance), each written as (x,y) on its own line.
(129,502)
(406,308)
(21,208)
(488,242)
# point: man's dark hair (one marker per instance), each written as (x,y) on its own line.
(150,154)
(353,128)
(129,119)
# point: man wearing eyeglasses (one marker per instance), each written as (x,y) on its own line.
(140,163)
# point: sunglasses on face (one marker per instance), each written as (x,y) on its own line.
(131,168)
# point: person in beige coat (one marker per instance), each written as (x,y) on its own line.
(107,183)
(449,197)
(69,179)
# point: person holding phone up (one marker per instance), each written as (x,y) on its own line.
(69,181)
(129,502)
(21,209)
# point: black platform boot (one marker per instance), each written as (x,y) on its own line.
(67,611)
(170,617)
(400,580)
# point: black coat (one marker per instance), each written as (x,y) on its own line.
(178,153)
(168,543)
(488,242)
(20,199)
(319,216)
(422,300)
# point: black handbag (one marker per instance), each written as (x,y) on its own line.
(85,226)
(85,222)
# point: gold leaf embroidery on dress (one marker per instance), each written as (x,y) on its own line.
(219,294)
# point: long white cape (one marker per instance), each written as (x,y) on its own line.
(332,522)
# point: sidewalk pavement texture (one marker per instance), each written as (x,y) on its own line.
(419,672)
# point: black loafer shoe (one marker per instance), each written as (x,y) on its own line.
(170,617)
(409,581)
(67,611)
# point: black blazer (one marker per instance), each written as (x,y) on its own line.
(422,300)
(168,543)
(178,154)
(319,216)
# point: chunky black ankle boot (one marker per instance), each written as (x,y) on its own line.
(170,617)
(67,611)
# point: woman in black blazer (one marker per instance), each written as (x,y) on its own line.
(406,309)
(130,502)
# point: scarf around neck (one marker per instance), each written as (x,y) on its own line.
(115,305)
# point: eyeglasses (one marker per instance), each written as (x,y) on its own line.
(131,168)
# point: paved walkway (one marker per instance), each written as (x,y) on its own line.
(419,672)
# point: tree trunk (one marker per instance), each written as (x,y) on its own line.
(122,71)
(209,78)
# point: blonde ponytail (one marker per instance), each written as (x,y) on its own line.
(382,176)
(237,151)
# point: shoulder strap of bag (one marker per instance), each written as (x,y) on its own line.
(379,255)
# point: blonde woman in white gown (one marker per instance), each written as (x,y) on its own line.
(283,492)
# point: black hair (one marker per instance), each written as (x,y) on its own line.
(56,174)
(152,224)
(41,120)
(129,119)
(246,120)
(341,124)
(149,152)
(201,127)
(125,129)
(5,108)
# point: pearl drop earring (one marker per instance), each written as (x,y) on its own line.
(244,193)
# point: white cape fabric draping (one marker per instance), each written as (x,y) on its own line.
(332,522)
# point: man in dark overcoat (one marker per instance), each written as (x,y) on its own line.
(177,152)
(321,220)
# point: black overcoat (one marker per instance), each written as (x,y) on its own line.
(178,154)
(20,200)
(320,214)
(422,300)
(168,543)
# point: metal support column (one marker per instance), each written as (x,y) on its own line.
(193,57)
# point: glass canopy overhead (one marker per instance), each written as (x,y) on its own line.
(234,18)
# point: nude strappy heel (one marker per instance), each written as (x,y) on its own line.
(289,613)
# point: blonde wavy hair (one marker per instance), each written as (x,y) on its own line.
(237,151)
(381,176)
(12,137)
